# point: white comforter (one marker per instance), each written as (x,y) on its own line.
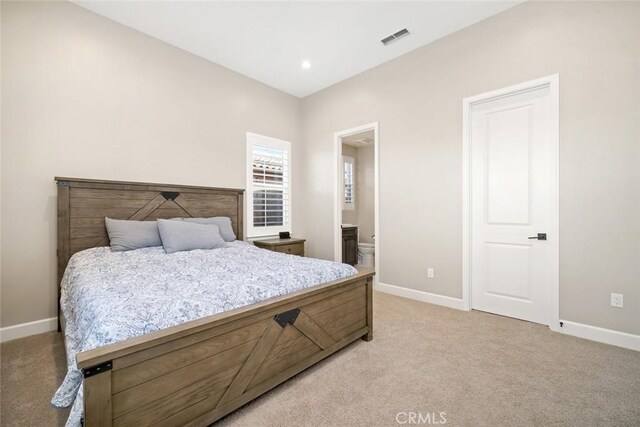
(111,296)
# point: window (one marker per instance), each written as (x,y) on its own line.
(349,189)
(268,186)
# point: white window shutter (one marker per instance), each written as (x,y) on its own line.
(349,183)
(268,185)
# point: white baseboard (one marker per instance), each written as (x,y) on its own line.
(26,329)
(595,333)
(421,296)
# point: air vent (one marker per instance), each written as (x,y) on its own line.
(395,36)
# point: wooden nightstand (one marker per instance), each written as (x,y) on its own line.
(291,246)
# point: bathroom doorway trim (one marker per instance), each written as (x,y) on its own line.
(337,192)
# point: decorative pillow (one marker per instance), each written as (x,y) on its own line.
(126,235)
(224,222)
(187,236)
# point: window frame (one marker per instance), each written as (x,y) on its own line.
(254,139)
(349,206)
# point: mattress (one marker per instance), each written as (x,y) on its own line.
(107,297)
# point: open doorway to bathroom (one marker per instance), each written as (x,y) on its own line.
(356,238)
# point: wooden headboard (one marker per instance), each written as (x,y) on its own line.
(84,203)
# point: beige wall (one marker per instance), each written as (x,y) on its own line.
(363,214)
(365,193)
(417,99)
(84,96)
(1,137)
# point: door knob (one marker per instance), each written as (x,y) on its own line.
(540,236)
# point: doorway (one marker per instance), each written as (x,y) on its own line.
(511,213)
(356,201)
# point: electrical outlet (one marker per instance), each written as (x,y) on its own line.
(430,273)
(617,300)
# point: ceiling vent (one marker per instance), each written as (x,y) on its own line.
(395,36)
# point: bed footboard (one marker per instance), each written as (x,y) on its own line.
(194,374)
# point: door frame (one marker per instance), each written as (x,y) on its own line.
(552,82)
(337,191)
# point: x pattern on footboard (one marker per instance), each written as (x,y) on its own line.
(273,332)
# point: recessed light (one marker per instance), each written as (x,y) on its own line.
(306,65)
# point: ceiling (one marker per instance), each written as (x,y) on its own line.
(268,41)
(361,139)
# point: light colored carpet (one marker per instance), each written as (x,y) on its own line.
(480,369)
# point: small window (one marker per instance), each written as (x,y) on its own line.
(268,186)
(349,188)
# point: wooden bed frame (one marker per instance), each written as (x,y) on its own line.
(195,373)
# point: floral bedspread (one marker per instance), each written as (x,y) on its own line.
(110,296)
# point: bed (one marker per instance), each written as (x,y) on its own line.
(197,368)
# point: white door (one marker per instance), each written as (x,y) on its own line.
(511,203)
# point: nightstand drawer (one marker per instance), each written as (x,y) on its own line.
(290,246)
(293,249)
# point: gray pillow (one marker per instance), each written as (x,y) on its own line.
(126,235)
(187,236)
(224,222)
